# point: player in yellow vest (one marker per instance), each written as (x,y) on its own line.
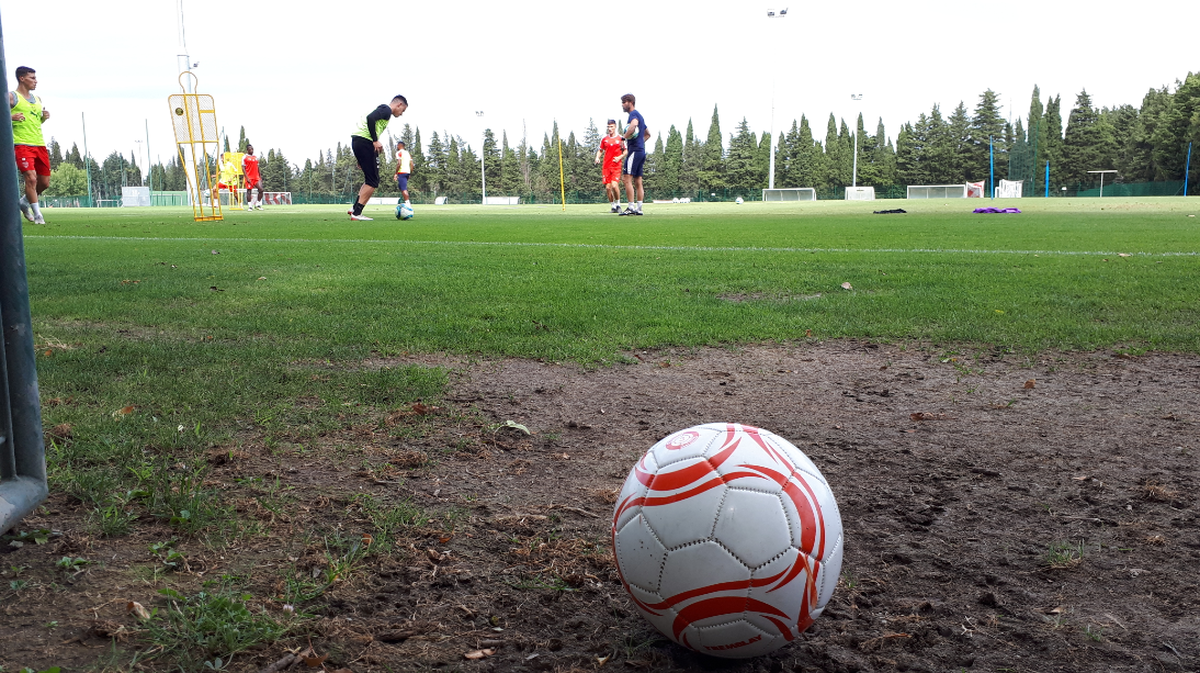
(366,146)
(33,162)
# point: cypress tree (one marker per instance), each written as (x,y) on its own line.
(762,161)
(837,155)
(809,170)
(986,125)
(739,165)
(436,178)
(510,173)
(958,128)
(491,160)
(1052,152)
(689,166)
(672,162)
(712,163)
(1087,145)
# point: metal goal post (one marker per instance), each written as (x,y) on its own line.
(937,191)
(22,455)
(790,194)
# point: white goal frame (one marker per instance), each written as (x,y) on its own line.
(790,194)
(860,193)
(937,192)
(1010,189)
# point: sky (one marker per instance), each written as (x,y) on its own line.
(297,75)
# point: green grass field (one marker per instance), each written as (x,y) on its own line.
(161,341)
(584,285)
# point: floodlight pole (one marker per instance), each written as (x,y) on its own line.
(139,151)
(150,172)
(772,14)
(1102,180)
(182,59)
(854,179)
(482,159)
(87,161)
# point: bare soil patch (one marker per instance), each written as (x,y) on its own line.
(1001,512)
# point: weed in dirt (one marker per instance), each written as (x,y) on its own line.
(72,566)
(207,629)
(1094,633)
(169,557)
(112,520)
(1063,555)
(389,522)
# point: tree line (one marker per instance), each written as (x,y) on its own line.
(1144,144)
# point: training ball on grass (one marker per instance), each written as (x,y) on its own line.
(728,539)
(738,201)
(404,212)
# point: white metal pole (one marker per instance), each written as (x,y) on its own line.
(482,158)
(771,175)
(149,172)
(772,14)
(854,178)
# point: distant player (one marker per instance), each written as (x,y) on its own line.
(253,179)
(610,155)
(33,161)
(403,168)
(366,145)
(636,134)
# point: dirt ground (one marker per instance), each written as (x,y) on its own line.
(1002,513)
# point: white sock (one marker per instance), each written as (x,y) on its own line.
(37,212)
(639,206)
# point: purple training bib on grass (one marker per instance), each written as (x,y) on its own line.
(997,210)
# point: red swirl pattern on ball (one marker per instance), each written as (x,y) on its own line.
(703,603)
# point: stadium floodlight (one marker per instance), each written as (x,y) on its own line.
(854,179)
(772,14)
(482,163)
(1102,180)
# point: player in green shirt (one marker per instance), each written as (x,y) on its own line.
(33,161)
(366,146)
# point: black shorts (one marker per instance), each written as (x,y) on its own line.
(368,160)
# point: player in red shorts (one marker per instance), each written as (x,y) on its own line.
(253,179)
(611,154)
(33,161)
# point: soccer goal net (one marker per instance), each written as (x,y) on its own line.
(1009,189)
(937,191)
(860,193)
(790,194)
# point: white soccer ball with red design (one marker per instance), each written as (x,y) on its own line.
(728,539)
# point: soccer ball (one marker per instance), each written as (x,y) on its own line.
(728,539)
(404,212)
(738,201)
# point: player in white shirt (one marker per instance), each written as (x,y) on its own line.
(403,168)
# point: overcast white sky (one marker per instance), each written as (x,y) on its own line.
(298,74)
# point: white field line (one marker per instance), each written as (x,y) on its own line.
(598,246)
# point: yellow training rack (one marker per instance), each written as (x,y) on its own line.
(194,117)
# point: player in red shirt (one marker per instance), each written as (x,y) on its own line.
(253,179)
(612,153)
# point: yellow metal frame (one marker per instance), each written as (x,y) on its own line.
(234,161)
(194,118)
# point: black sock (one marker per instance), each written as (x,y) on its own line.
(358,208)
